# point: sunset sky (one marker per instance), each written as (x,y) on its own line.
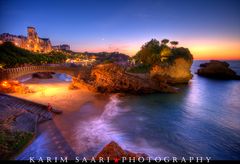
(209,28)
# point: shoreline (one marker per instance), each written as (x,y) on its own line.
(74,105)
(85,108)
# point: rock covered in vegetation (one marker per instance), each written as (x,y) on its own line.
(153,53)
(113,151)
(166,64)
(160,66)
(17,128)
(218,70)
(177,72)
(113,78)
(108,78)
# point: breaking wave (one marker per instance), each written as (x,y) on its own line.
(100,130)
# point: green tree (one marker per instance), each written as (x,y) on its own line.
(12,56)
(149,53)
(174,43)
(181,53)
(165,51)
(165,41)
(152,53)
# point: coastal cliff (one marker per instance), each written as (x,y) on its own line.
(177,72)
(113,78)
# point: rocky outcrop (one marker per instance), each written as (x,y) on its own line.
(15,119)
(176,72)
(84,80)
(14,86)
(112,78)
(18,122)
(218,70)
(113,151)
(82,84)
(115,78)
(43,75)
(17,128)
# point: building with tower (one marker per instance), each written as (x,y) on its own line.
(32,42)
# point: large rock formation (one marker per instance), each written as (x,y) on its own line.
(113,151)
(177,72)
(42,75)
(113,78)
(218,70)
(13,86)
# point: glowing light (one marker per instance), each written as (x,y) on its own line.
(5,84)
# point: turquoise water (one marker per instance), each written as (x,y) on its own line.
(202,120)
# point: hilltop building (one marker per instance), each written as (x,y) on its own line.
(32,42)
(61,47)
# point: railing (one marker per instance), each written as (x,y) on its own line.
(12,73)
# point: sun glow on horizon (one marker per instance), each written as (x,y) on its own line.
(225,49)
(202,49)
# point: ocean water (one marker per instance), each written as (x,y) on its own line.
(202,120)
(63,77)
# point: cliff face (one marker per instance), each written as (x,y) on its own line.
(177,72)
(112,78)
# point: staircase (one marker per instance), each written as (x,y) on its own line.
(34,108)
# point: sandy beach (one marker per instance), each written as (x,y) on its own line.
(56,92)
